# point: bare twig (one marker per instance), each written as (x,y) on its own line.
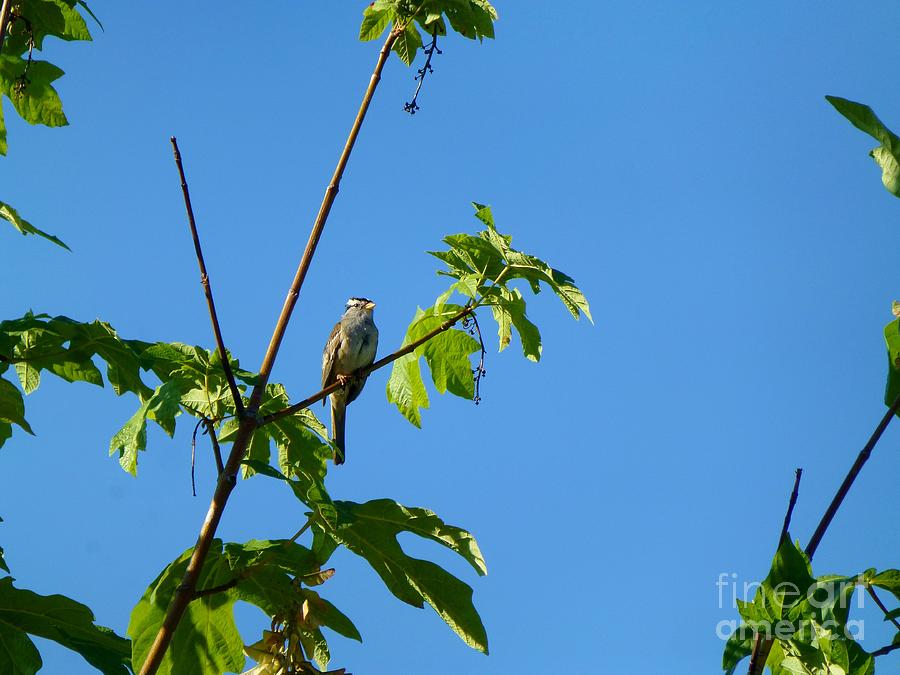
(381,363)
(861,459)
(207,286)
(4,21)
(762,645)
(249,422)
(791,504)
(887,612)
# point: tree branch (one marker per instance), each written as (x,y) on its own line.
(885,650)
(887,612)
(861,459)
(362,372)
(249,422)
(762,647)
(207,287)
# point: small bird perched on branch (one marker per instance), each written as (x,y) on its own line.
(351,346)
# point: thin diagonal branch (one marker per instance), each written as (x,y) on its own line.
(763,647)
(207,287)
(381,363)
(4,21)
(885,650)
(249,422)
(887,612)
(861,459)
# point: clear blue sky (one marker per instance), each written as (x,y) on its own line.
(678,159)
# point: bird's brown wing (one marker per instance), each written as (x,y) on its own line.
(329,356)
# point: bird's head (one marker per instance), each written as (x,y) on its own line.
(360,303)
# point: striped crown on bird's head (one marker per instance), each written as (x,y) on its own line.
(362,303)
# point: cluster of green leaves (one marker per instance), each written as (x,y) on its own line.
(57,618)
(38,343)
(28,83)
(470,18)
(484,267)
(807,618)
(278,577)
(887,156)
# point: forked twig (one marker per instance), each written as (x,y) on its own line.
(762,647)
(207,286)
(248,422)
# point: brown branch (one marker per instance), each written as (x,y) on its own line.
(381,363)
(887,612)
(207,287)
(249,422)
(217,451)
(861,459)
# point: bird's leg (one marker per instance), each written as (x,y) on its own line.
(344,380)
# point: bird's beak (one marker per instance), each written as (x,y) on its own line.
(370,305)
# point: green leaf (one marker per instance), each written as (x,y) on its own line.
(28,86)
(207,639)
(12,216)
(409,42)
(374,22)
(888,153)
(370,530)
(29,377)
(162,407)
(447,353)
(406,389)
(57,618)
(892,341)
(889,580)
(508,307)
(12,406)
(57,18)
(738,646)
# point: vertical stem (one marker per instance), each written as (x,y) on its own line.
(227,480)
(4,21)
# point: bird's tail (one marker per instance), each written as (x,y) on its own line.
(338,415)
